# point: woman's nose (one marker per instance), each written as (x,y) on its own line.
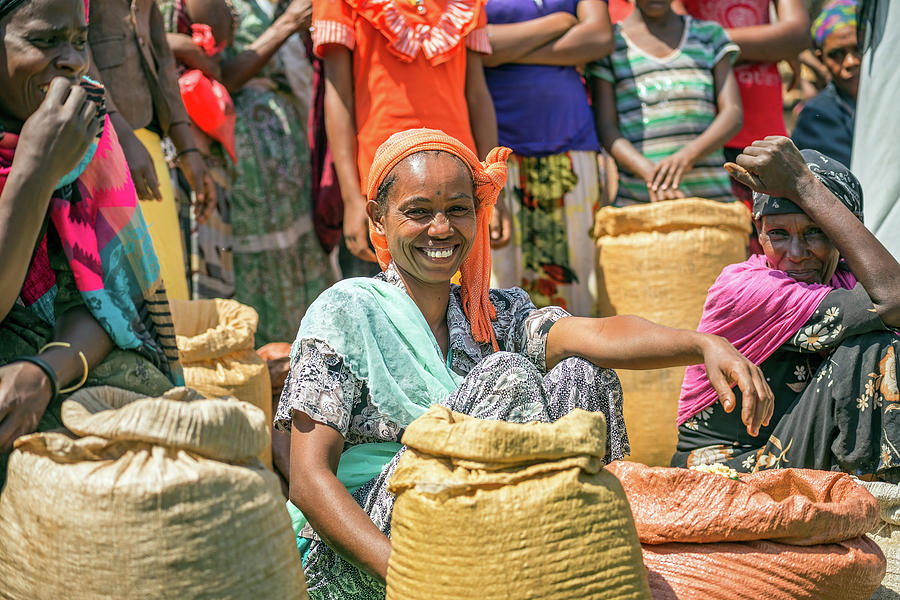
(72,59)
(440,225)
(797,249)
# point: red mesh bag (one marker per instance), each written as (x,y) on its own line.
(780,534)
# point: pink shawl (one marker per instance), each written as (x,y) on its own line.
(757,309)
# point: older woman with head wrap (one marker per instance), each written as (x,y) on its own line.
(818,312)
(81,299)
(372,354)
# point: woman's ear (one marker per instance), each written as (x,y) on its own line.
(375,216)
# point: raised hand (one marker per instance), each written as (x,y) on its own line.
(60,131)
(772,166)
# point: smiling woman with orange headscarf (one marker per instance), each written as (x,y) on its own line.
(373,354)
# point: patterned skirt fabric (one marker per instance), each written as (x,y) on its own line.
(846,419)
(279,265)
(504,386)
(552,201)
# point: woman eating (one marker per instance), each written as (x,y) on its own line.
(818,312)
(372,354)
(81,299)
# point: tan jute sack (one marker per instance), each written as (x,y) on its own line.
(657,261)
(215,344)
(158,498)
(494,510)
(887,535)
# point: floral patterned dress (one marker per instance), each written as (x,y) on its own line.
(837,405)
(511,385)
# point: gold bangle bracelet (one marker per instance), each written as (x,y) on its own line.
(84,362)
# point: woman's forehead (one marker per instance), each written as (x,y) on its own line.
(432,168)
(50,15)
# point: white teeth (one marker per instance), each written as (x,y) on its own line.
(442,253)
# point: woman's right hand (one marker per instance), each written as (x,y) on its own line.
(356,229)
(24,395)
(60,131)
(299,13)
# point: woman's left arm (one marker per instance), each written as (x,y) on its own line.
(590,39)
(629,342)
(25,390)
(725,125)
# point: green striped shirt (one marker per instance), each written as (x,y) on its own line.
(664,103)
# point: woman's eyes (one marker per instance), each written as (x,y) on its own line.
(459,210)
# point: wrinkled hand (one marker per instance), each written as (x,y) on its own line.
(501,224)
(58,134)
(299,13)
(668,172)
(200,179)
(356,229)
(24,395)
(725,367)
(143,173)
(772,166)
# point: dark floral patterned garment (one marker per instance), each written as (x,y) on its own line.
(511,385)
(837,405)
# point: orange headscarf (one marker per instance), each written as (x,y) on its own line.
(489,177)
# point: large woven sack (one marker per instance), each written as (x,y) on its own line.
(657,261)
(495,510)
(161,498)
(215,340)
(886,533)
(781,534)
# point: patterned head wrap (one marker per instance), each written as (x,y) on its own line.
(489,178)
(833,175)
(835,14)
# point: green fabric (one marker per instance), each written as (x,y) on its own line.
(384,339)
(359,464)
(381,334)
(23,333)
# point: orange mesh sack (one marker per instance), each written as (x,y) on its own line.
(215,340)
(495,510)
(657,261)
(886,534)
(159,498)
(780,534)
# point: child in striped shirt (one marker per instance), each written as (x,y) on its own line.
(665,102)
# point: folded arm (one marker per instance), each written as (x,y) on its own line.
(775,41)
(590,39)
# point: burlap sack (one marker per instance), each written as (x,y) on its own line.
(161,498)
(215,344)
(780,535)
(495,510)
(886,533)
(657,261)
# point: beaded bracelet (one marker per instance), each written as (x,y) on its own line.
(185,151)
(48,371)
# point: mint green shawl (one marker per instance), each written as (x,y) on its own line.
(384,339)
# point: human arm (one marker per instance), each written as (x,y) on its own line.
(238,70)
(340,127)
(326,503)
(25,389)
(52,142)
(729,118)
(775,41)
(511,41)
(629,342)
(589,39)
(627,157)
(774,166)
(193,56)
